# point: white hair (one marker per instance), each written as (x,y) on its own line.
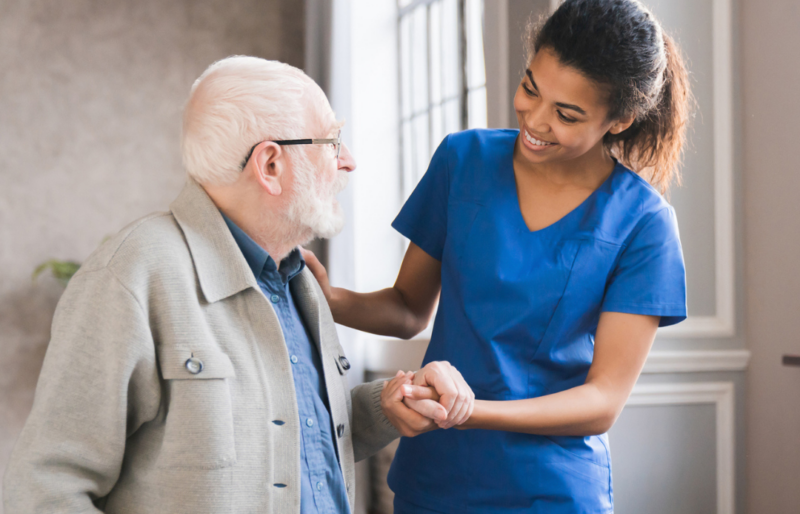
(238,102)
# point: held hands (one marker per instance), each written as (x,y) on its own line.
(437,395)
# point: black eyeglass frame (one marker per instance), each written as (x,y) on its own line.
(287,142)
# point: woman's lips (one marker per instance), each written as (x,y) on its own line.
(536,145)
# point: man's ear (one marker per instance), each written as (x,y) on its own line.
(268,166)
(622,124)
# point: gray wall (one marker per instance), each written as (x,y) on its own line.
(91,94)
(771,107)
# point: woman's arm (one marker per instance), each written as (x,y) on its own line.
(621,347)
(403,310)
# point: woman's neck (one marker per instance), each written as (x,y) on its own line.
(587,171)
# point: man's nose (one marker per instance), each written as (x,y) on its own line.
(346,160)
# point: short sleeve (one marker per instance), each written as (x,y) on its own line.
(650,277)
(423,218)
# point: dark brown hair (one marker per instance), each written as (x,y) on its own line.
(620,45)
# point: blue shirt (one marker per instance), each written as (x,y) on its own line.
(517,316)
(322,488)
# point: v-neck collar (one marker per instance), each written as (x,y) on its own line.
(509,180)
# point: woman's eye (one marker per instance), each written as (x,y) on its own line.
(528,90)
(566,119)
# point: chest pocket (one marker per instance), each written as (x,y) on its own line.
(198,430)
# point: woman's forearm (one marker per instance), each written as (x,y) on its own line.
(580,411)
(383,312)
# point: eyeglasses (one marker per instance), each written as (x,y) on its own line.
(336,143)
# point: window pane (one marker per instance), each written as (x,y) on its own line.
(476,69)
(403,3)
(451,66)
(452,116)
(437,127)
(435,20)
(477,107)
(419,59)
(405,66)
(421,150)
(408,158)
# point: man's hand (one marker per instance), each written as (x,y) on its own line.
(407,421)
(454,394)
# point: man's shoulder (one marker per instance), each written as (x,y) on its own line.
(150,245)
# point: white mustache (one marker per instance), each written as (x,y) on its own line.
(341,182)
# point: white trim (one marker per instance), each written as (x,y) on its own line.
(383,354)
(696,361)
(723,323)
(495,47)
(721,394)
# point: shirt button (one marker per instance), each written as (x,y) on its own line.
(320,486)
(275,298)
(340,430)
(294,359)
(310,422)
(194,365)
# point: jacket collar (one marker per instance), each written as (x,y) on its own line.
(221,268)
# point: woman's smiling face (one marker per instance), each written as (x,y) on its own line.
(562,114)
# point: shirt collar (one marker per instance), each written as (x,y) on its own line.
(221,268)
(260,261)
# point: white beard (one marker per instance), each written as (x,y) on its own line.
(313,209)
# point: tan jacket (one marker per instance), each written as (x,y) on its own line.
(120,423)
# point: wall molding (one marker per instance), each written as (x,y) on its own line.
(721,395)
(382,354)
(695,361)
(723,323)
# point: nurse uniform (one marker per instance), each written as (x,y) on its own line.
(517,316)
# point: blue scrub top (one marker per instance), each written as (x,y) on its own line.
(517,316)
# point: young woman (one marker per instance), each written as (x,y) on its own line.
(555,259)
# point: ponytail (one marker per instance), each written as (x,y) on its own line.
(653,144)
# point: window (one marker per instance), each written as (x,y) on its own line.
(442,77)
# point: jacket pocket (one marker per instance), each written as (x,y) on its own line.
(198,431)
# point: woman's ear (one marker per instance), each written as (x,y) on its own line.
(622,124)
(268,166)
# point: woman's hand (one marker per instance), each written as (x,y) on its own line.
(318,270)
(406,420)
(439,385)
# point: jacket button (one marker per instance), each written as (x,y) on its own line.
(194,365)
(344,362)
(340,430)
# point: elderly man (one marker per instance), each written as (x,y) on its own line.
(194,365)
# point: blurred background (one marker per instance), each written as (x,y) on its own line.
(91,94)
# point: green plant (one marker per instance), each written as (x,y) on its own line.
(61,270)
